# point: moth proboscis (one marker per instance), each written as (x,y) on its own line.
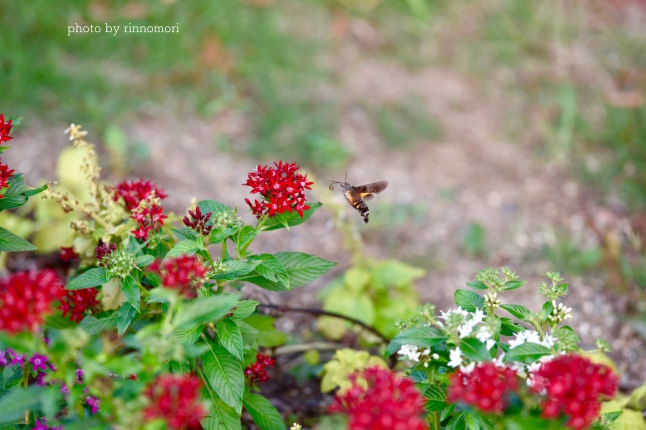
(356,195)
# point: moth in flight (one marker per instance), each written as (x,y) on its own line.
(356,195)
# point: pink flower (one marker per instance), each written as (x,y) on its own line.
(94,403)
(574,385)
(256,372)
(39,361)
(281,188)
(175,399)
(26,298)
(390,402)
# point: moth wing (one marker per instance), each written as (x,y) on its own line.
(368,191)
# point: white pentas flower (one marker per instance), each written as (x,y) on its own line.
(548,340)
(454,316)
(485,336)
(468,368)
(523,337)
(410,351)
(455,357)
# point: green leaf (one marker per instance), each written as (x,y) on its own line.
(188,336)
(290,218)
(477,285)
(207,309)
(184,233)
(303,268)
(212,206)
(244,308)
(270,273)
(217,235)
(245,236)
(57,321)
(127,314)
(225,375)
(526,353)
(234,269)
(18,400)
(468,300)
(17,193)
(144,260)
(230,337)
(474,349)
(9,242)
(568,340)
(88,279)
(519,311)
(508,327)
(264,414)
(161,295)
(223,417)
(612,416)
(425,337)
(130,289)
(457,422)
(435,398)
(513,285)
(188,247)
(268,336)
(94,326)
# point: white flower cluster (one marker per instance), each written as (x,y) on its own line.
(413,353)
(532,336)
(560,313)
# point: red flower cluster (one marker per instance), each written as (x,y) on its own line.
(26,297)
(78,302)
(390,402)
(67,253)
(133,192)
(175,398)
(198,221)
(103,251)
(5,174)
(149,217)
(184,273)
(256,372)
(573,385)
(485,387)
(281,187)
(5,129)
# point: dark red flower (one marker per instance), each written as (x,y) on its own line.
(185,273)
(78,302)
(573,386)
(198,221)
(67,253)
(256,372)
(5,129)
(104,250)
(26,298)
(281,188)
(175,399)
(390,402)
(133,192)
(485,387)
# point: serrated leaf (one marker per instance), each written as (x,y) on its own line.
(425,337)
(188,336)
(127,314)
(474,349)
(435,398)
(269,274)
(184,233)
(217,235)
(230,337)
(17,193)
(477,285)
(264,414)
(161,295)
(290,218)
(234,269)
(568,340)
(508,327)
(94,326)
(212,206)
(468,300)
(244,238)
(10,242)
(223,417)
(244,308)
(144,260)
(88,279)
(188,247)
(519,311)
(526,353)
(57,321)
(130,290)
(303,268)
(513,285)
(202,310)
(225,375)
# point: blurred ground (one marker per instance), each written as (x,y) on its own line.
(485,185)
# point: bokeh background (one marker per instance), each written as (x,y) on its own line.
(512,132)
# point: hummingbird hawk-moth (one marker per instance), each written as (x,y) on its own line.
(356,195)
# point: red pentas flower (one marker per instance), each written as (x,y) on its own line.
(78,302)
(133,192)
(256,372)
(281,188)
(26,298)
(485,387)
(198,221)
(5,129)
(5,174)
(390,402)
(185,273)
(176,399)
(573,386)
(149,216)
(67,253)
